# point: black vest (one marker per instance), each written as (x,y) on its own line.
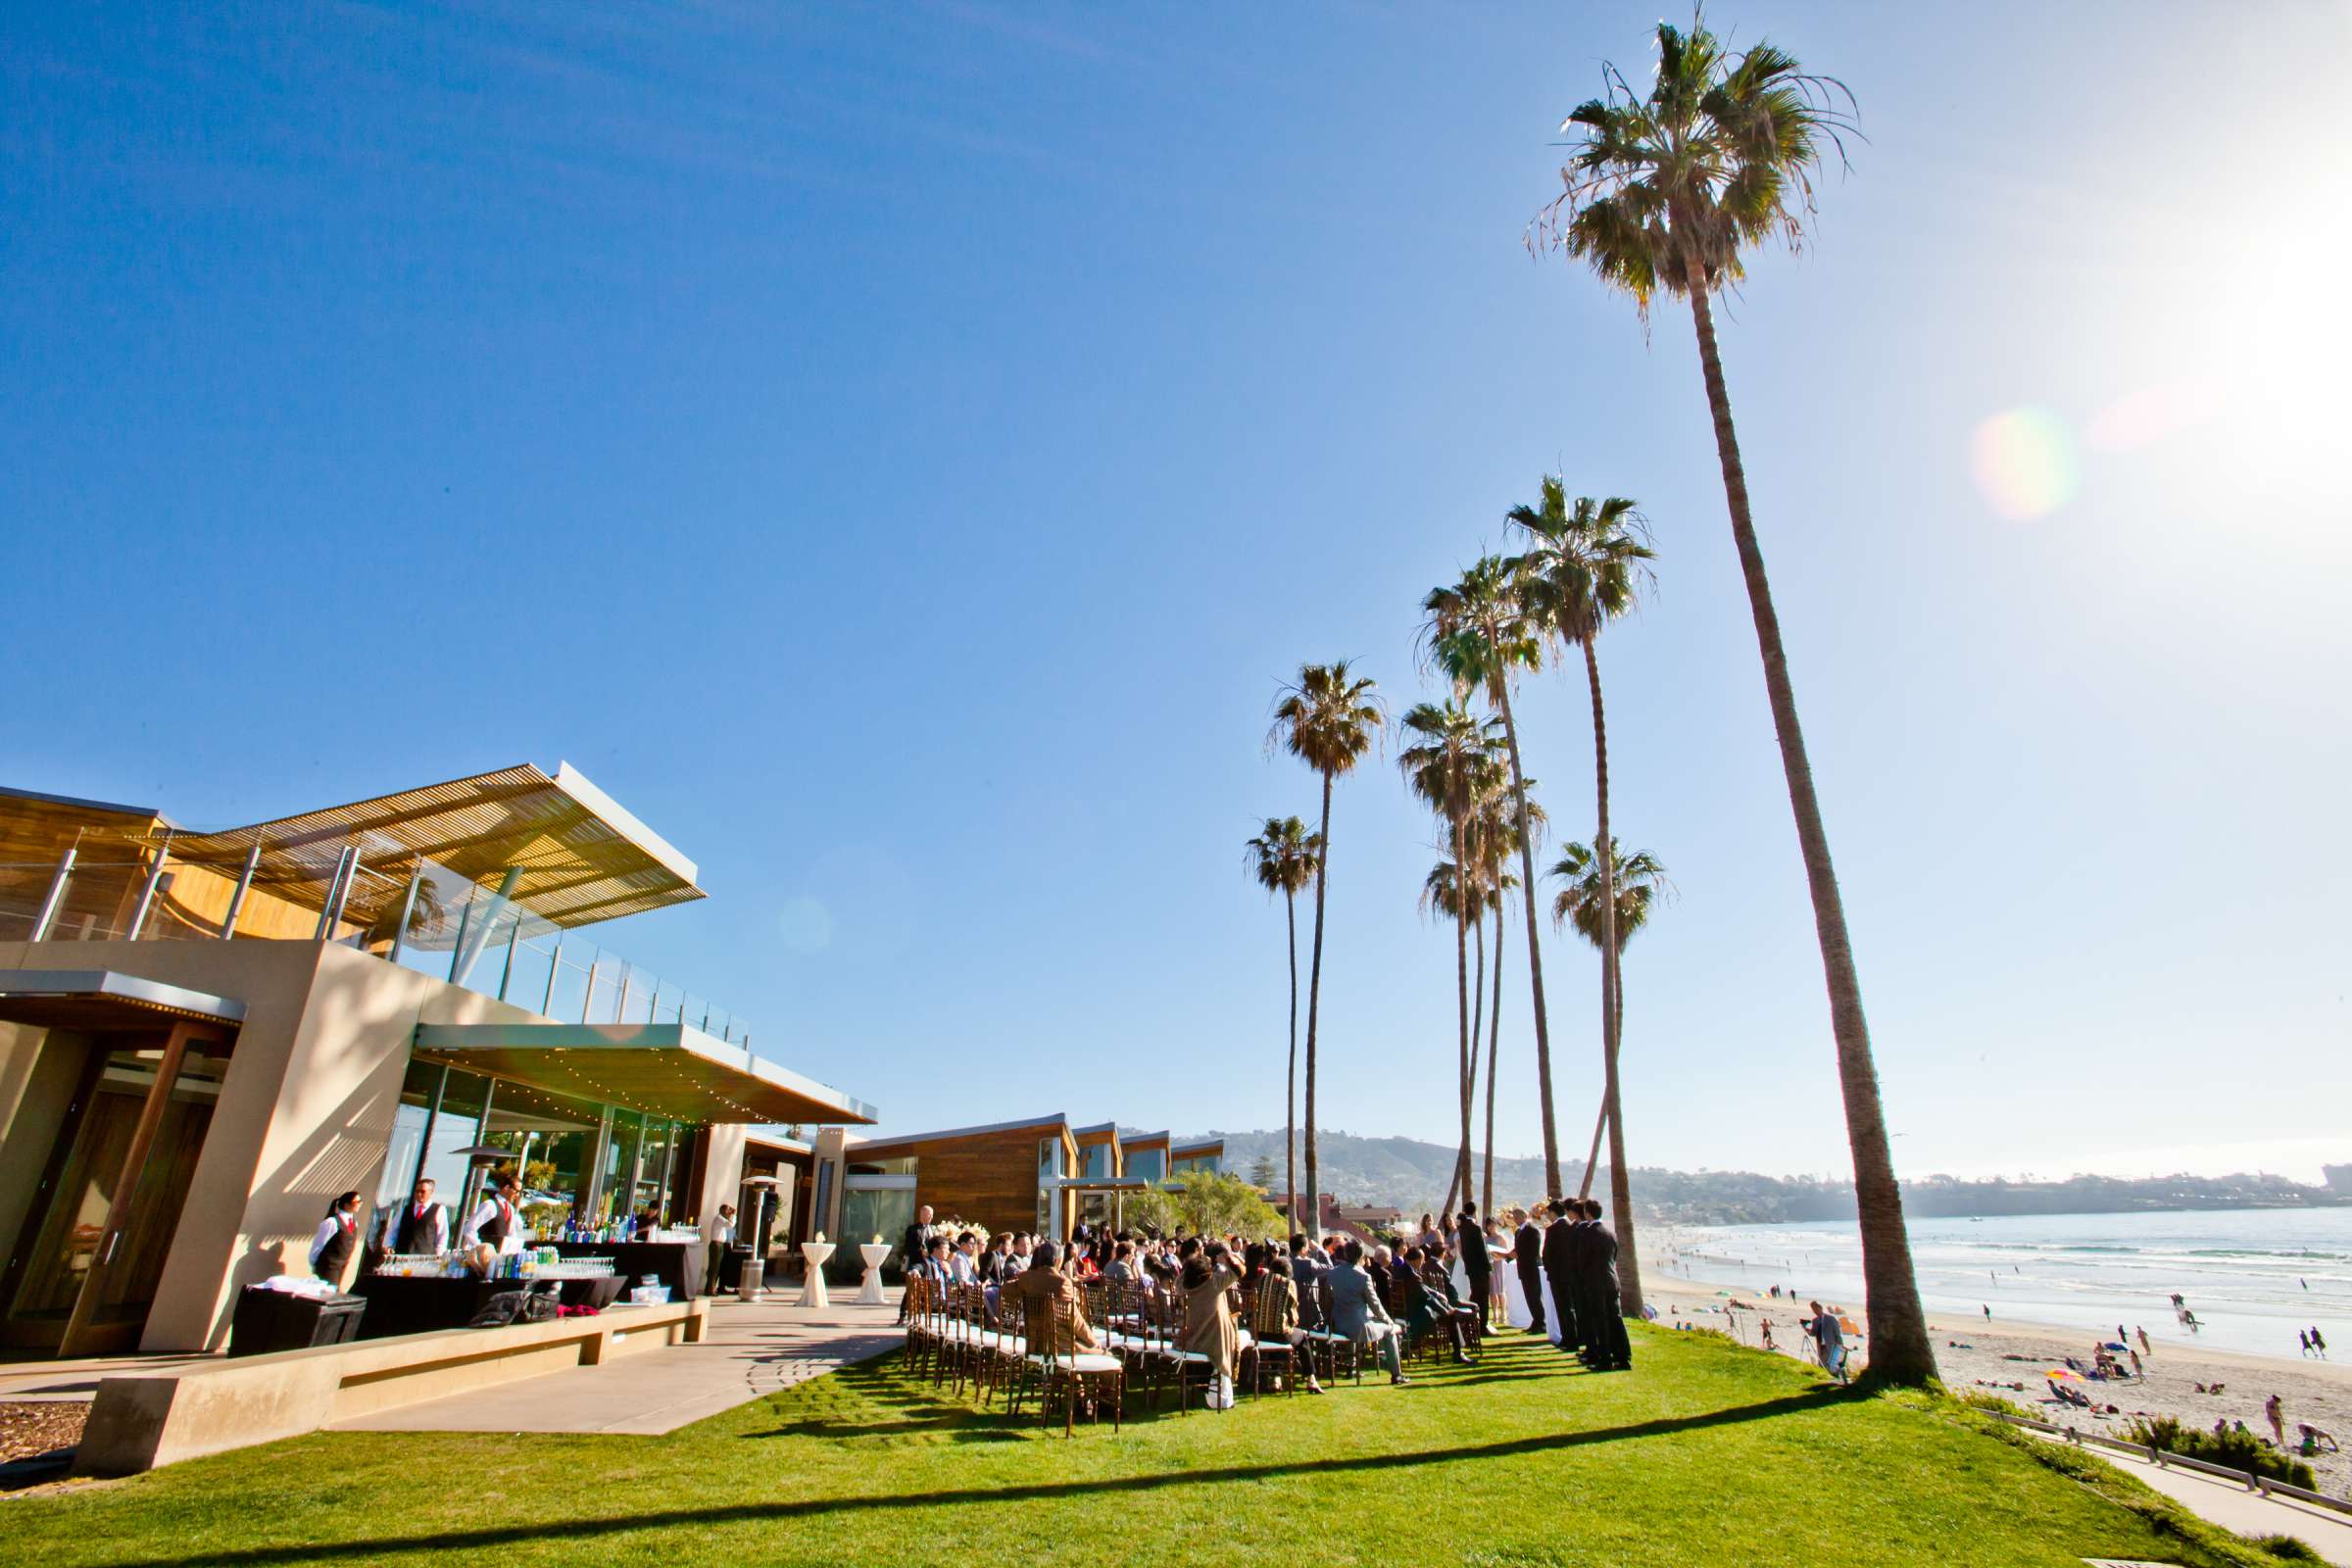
(416,1228)
(494,1229)
(336,1253)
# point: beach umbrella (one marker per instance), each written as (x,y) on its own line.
(2063,1374)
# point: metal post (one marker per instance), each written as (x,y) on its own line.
(56,897)
(154,877)
(506,976)
(236,900)
(477,937)
(331,909)
(620,1008)
(408,912)
(554,967)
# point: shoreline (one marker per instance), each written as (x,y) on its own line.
(1994,1356)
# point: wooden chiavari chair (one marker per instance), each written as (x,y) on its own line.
(1058,1368)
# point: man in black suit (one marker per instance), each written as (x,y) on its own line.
(1608,1348)
(1476,1267)
(1558,1242)
(913,1247)
(1528,1252)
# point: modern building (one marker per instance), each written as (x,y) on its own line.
(1037,1174)
(205,1036)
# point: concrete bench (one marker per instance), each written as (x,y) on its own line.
(159,1418)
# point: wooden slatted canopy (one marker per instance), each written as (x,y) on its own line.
(580,857)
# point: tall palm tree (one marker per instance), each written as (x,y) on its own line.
(1493,839)
(1583,567)
(1666,190)
(1606,910)
(1328,719)
(1447,741)
(1477,631)
(1283,858)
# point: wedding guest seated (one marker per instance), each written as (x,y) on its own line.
(1279,1316)
(1043,1282)
(1431,1306)
(1356,1310)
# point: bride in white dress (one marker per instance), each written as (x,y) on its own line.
(1500,1243)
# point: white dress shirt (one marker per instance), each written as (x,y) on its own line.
(482,1215)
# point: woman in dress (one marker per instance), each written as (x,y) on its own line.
(1507,1305)
(1210,1282)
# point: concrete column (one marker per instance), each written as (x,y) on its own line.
(723,1171)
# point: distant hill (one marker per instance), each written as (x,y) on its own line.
(1409,1174)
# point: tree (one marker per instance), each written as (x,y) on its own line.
(1606,908)
(1283,858)
(1447,740)
(1494,838)
(1204,1202)
(1261,1175)
(1579,574)
(1477,632)
(1665,191)
(1329,719)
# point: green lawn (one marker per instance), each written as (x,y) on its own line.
(1706,1454)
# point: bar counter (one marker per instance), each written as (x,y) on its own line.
(417,1303)
(676,1264)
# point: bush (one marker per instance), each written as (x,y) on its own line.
(2241,1451)
(1980,1399)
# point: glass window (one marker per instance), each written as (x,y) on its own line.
(870,1212)
(456,1126)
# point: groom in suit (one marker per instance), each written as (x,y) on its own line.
(1527,1253)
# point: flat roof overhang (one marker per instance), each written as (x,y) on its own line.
(577,856)
(671,1069)
(862,1148)
(101,999)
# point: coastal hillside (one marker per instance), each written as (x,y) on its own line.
(1411,1175)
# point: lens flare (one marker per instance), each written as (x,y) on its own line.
(2023,461)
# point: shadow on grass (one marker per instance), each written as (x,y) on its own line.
(490,1540)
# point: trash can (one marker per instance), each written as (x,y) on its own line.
(750,1278)
(268,1320)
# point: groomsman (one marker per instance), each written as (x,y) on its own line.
(1527,1253)
(1608,1348)
(1558,1242)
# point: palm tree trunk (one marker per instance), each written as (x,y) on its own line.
(1314,1001)
(1600,1123)
(1486,1198)
(1621,1199)
(1478,1018)
(1534,950)
(1461,990)
(1290,1077)
(1899,1352)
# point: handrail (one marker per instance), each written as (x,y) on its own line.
(2165,1460)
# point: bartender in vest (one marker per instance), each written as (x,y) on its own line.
(495,1222)
(338,1234)
(420,1225)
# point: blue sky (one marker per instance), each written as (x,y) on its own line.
(897,452)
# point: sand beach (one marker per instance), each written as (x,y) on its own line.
(2001,1354)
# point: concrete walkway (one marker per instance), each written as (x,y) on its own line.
(751,1349)
(2233,1507)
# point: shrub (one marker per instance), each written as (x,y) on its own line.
(2241,1451)
(1981,1400)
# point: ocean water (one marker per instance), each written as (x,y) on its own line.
(2252,1277)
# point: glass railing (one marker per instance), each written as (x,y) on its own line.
(383,900)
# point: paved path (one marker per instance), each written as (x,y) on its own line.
(2233,1507)
(751,1351)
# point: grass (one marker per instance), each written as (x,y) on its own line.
(1704,1454)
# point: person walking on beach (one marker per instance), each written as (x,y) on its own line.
(1829,1340)
(2317,1344)
(2143,1343)
(2136,1370)
(2303,1339)
(1989,1314)
(2277,1418)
